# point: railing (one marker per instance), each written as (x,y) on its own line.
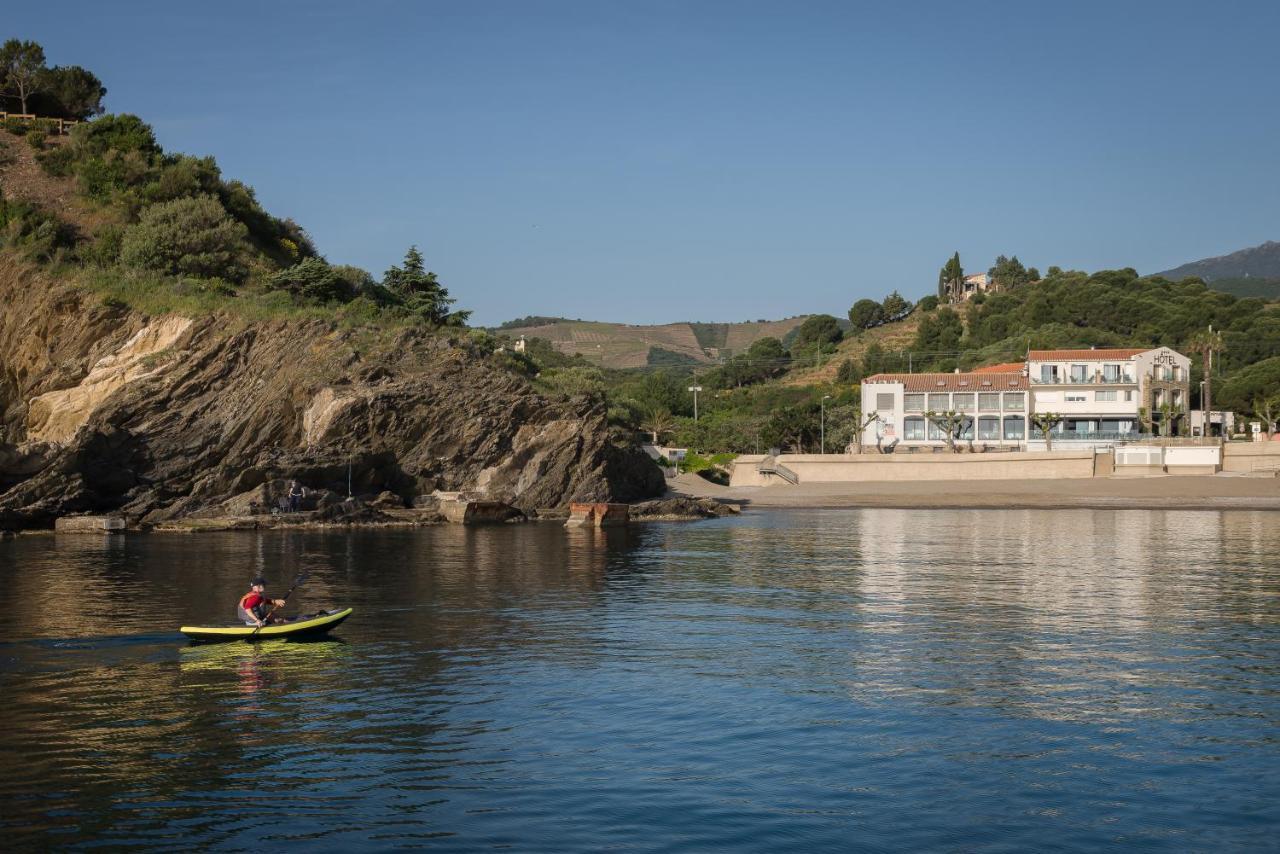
(1124,379)
(61,126)
(770,465)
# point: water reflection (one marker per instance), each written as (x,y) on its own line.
(789,679)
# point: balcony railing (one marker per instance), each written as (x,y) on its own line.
(1123,379)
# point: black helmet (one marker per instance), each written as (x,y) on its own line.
(258,581)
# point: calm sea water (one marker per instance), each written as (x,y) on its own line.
(799,680)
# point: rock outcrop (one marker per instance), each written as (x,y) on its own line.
(104,409)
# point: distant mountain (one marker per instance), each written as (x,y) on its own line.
(619,345)
(1253,272)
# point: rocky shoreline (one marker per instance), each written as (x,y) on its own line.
(160,419)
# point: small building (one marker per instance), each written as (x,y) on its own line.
(996,404)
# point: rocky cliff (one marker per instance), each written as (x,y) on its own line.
(105,409)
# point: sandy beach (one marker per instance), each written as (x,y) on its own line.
(1208,492)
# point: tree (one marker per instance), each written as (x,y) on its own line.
(1045,422)
(951,423)
(1008,273)
(939,332)
(951,280)
(867,313)
(1207,343)
(659,421)
(70,92)
(896,306)
(22,69)
(193,237)
(874,360)
(1267,410)
(421,293)
(819,329)
(929,303)
(848,372)
(313,279)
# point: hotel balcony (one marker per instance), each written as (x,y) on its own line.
(1096,379)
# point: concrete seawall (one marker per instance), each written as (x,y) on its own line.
(871,468)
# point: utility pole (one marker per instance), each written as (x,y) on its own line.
(822,447)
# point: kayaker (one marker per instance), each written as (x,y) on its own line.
(255,607)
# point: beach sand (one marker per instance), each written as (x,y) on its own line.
(1207,492)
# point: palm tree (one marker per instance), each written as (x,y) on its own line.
(657,422)
(1206,344)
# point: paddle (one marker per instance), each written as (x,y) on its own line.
(302,576)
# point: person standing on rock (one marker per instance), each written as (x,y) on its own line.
(254,607)
(295,496)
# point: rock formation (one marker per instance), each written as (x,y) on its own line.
(104,409)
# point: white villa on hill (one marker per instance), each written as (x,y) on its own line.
(1104,396)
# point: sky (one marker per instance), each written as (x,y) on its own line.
(652,162)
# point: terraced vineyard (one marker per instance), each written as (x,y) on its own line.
(619,345)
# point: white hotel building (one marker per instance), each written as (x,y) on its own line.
(1098,392)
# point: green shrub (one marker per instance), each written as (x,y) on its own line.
(57,161)
(36,233)
(37,137)
(312,279)
(17,127)
(104,251)
(189,237)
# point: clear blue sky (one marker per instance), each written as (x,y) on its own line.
(653,161)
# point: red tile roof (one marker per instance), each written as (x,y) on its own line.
(1002,368)
(953,382)
(1056,355)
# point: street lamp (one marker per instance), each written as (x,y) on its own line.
(823,405)
(695,389)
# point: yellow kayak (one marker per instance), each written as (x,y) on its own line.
(308,626)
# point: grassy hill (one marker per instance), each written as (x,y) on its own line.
(620,345)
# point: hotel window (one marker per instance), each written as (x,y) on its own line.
(1013,401)
(988,400)
(939,402)
(1014,428)
(1111,373)
(1078,397)
(966,430)
(988,427)
(884,402)
(1157,398)
(913,429)
(1176,372)
(1128,395)
(1048,373)
(1079,373)
(935,432)
(1177,399)
(1104,395)
(914,402)
(963,402)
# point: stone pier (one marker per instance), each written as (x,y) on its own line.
(600,515)
(89,525)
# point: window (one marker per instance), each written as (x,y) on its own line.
(1128,395)
(884,401)
(935,432)
(989,401)
(1104,395)
(1077,397)
(1177,399)
(1048,373)
(989,427)
(1177,372)
(963,402)
(966,430)
(1111,373)
(1014,427)
(914,402)
(939,402)
(1013,401)
(913,429)
(1079,373)
(1157,398)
